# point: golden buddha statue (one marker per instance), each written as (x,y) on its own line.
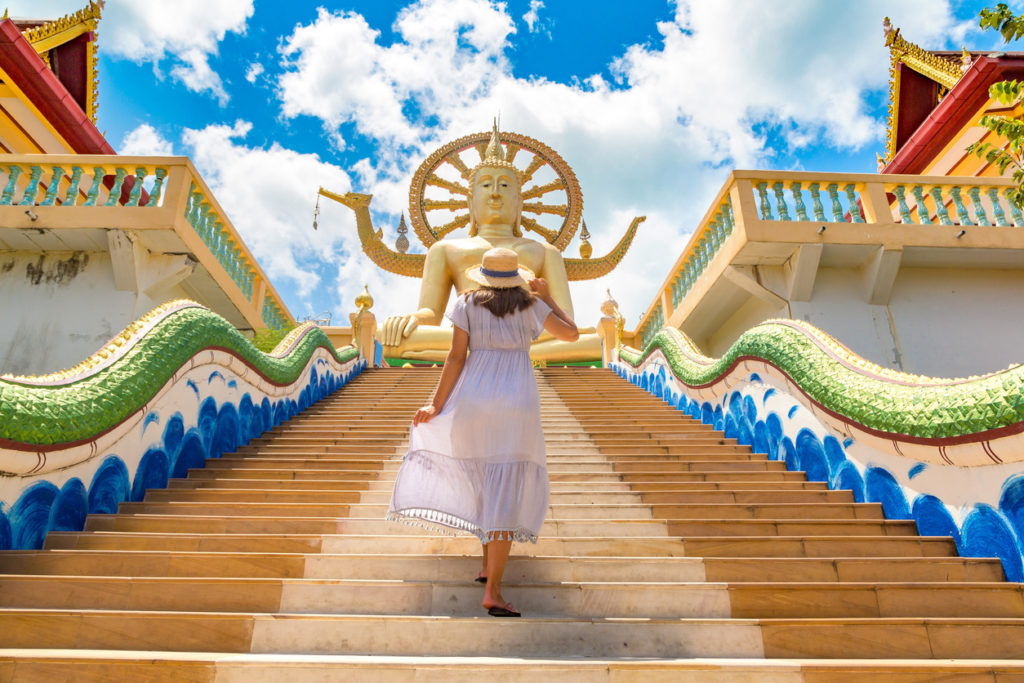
(494,200)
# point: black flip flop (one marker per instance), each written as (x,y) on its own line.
(481,579)
(502,612)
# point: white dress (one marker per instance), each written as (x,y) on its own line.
(479,465)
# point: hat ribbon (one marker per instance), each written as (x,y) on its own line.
(498,273)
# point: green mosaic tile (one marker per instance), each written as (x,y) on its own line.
(99,400)
(929,409)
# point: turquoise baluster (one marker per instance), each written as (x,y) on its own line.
(980,217)
(900,193)
(12,182)
(922,211)
(798,200)
(1018,219)
(223,245)
(158,186)
(837,208)
(98,172)
(115,192)
(211,232)
(199,219)
(71,198)
(819,210)
(209,226)
(716,234)
(192,208)
(136,193)
(766,208)
(961,210)
(29,197)
(51,191)
(780,200)
(216,239)
(729,222)
(940,206)
(851,197)
(997,207)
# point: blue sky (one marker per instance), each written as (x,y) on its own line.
(651,102)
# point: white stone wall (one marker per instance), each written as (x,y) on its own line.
(58,308)
(938,322)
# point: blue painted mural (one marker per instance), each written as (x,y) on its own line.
(985,531)
(42,507)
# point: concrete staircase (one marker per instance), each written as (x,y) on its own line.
(669,553)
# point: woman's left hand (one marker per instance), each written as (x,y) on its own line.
(424,414)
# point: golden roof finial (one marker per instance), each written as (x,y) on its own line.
(966,60)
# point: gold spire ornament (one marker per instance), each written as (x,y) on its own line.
(402,243)
(585,249)
(363,299)
(494,156)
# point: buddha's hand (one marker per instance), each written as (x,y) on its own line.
(396,328)
(540,287)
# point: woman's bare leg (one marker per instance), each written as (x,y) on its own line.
(497,556)
(483,567)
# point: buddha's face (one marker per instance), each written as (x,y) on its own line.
(496,199)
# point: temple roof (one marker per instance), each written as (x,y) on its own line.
(68,46)
(932,94)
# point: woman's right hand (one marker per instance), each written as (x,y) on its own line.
(540,287)
(424,414)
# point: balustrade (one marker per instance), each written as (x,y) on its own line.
(42,184)
(778,197)
(74,182)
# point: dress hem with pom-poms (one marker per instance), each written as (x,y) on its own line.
(444,523)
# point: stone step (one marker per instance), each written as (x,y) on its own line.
(941,638)
(217,474)
(522,568)
(461,598)
(636,498)
(553,527)
(864,547)
(639,510)
(41,664)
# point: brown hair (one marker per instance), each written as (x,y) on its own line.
(504,300)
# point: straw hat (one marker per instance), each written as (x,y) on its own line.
(500,268)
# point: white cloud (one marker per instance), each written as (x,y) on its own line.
(532,16)
(145,141)
(254,71)
(336,70)
(269,194)
(659,141)
(183,34)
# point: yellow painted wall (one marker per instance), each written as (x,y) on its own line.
(953,159)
